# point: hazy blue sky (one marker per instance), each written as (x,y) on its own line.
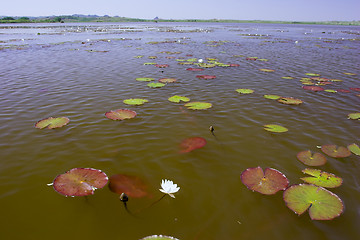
(297,10)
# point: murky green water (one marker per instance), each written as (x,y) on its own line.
(84,70)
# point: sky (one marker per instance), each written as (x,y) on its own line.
(283,10)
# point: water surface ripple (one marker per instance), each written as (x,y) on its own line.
(82,71)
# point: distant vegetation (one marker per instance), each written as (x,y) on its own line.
(106,18)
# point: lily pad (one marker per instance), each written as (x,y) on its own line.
(316,159)
(195,69)
(244,91)
(190,144)
(354,148)
(321,179)
(167,80)
(155,85)
(198,105)
(132,186)
(313,88)
(312,74)
(80,182)
(135,101)
(159,237)
(275,128)
(162,65)
(177,99)
(144,79)
(290,101)
(334,151)
(272,97)
(120,114)
(206,76)
(266,70)
(52,122)
(354,116)
(322,204)
(266,182)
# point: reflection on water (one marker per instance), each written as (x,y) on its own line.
(82,71)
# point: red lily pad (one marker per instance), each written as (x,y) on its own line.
(234,65)
(120,114)
(131,185)
(80,182)
(343,90)
(206,76)
(316,159)
(190,144)
(195,69)
(290,101)
(313,88)
(322,204)
(162,65)
(334,151)
(167,80)
(267,182)
(52,122)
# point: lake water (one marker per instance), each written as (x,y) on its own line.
(82,70)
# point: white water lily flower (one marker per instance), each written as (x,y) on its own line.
(168,187)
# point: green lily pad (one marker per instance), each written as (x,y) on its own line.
(354,148)
(290,101)
(52,122)
(334,151)
(198,105)
(322,204)
(321,179)
(330,91)
(312,74)
(144,79)
(156,85)
(135,101)
(354,116)
(275,128)
(287,77)
(266,182)
(120,114)
(244,91)
(167,80)
(149,63)
(177,99)
(316,159)
(159,237)
(272,97)
(266,70)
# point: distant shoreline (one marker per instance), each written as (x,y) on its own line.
(94,18)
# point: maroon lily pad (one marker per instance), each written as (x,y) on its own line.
(343,90)
(267,182)
(195,69)
(120,114)
(190,144)
(131,185)
(80,182)
(313,88)
(334,151)
(234,65)
(162,65)
(316,159)
(355,89)
(206,76)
